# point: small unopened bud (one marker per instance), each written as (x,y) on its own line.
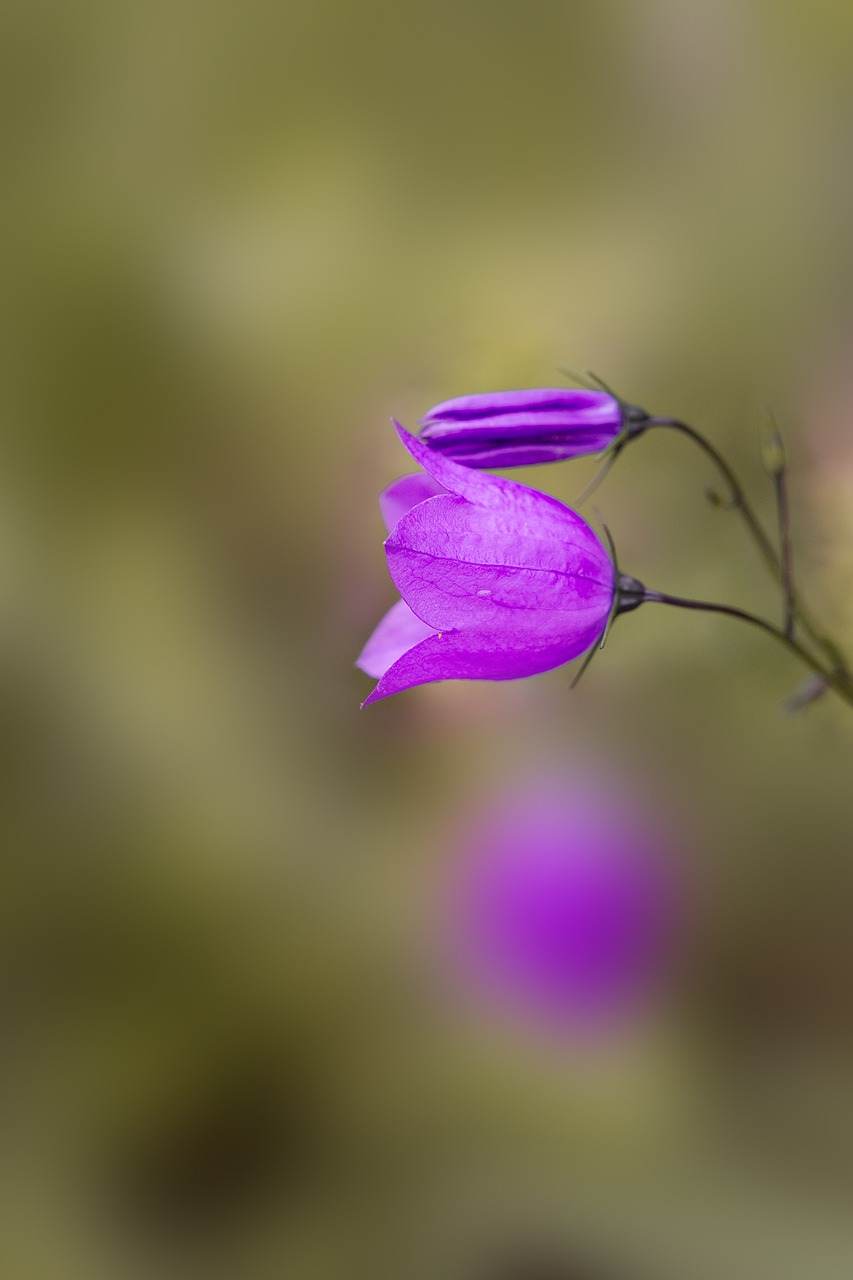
(716,499)
(772,446)
(499,429)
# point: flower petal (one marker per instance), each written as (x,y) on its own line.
(404,494)
(544,535)
(398,631)
(463,566)
(472,655)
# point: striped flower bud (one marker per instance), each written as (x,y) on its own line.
(517,428)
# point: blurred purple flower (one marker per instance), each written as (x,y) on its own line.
(517,428)
(497,580)
(565,907)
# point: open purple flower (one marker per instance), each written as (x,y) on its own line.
(517,428)
(498,581)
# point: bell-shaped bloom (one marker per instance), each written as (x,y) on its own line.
(564,905)
(497,580)
(517,428)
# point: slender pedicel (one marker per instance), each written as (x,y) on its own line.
(839,681)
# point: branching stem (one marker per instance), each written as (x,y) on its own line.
(779,567)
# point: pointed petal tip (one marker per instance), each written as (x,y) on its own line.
(455,478)
(373,696)
(411,444)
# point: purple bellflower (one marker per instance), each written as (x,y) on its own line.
(564,906)
(517,428)
(497,580)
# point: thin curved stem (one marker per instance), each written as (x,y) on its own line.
(837,680)
(776,565)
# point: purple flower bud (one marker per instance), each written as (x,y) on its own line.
(497,580)
(517,428)
(563,905)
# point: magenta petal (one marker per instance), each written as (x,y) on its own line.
(461,566)
(547,536)
(405,493)
(517,607)
(398,631)
(469,656)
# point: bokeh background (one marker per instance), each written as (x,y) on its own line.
(235,239)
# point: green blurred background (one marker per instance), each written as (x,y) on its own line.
(235,239)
